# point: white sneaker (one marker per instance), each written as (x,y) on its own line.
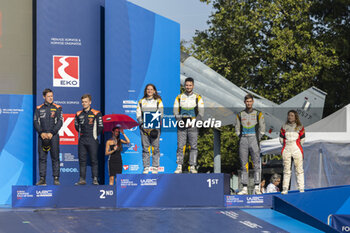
(257,190)
(193,169)
(284,192)
(145,170)
(244,191)
(178,169)
(301,190)
(154,170)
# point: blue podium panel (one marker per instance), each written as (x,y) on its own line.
(172,190)
(249,201)
(341,222)
(87,196)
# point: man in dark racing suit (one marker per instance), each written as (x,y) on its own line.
(89,124)
(47,122)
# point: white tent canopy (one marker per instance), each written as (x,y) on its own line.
(326,150)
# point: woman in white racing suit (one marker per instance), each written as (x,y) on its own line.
(292,137)
(150,134)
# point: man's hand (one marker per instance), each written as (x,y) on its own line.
(49,136)
(43,135)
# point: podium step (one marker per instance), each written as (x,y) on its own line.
(172,190)
(62,196)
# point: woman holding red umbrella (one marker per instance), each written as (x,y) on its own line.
(113,150)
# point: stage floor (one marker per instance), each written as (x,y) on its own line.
(216,220)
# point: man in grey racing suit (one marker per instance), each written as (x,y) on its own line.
(250,127)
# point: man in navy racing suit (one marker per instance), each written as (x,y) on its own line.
(47,122)
(89,124)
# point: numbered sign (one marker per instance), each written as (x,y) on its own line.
(171,190)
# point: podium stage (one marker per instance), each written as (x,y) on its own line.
(203,191)
(132,191)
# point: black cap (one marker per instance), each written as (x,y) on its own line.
(46,145)
(154,133)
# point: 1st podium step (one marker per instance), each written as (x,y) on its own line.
(172,190)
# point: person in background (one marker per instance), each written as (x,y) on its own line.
(274,183)
(151,102)
(188,106)
(47,122)
(292,137)
(262,186)
(113,150)
(89,124)
(250,127)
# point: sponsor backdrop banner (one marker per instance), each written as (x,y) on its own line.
(16,143)
(69,62)
(141,47)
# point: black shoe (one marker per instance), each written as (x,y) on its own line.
(81,182)
(41,182)
(95,181)
(56,180)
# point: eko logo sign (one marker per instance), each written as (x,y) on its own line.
(66,71)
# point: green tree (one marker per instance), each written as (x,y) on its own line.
(229,146)
(269,47)
(332,25)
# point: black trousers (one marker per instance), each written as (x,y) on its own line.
(88,146)
(54,152)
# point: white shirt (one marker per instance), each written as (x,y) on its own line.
(271,188)
(148,105)
(188,103)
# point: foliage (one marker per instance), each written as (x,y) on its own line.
(229,147)
(269,47)
(332,24)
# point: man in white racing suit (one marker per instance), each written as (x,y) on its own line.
(188,107)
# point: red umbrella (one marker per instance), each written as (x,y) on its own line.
(121,120)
